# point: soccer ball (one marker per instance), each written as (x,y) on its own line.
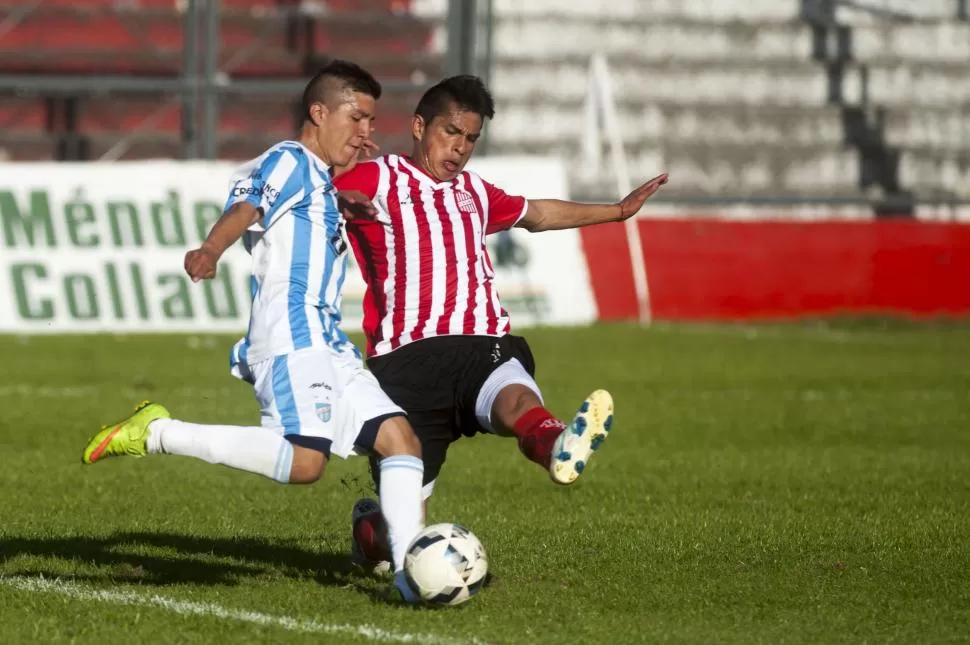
(446,564)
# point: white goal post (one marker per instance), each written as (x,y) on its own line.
(602,122)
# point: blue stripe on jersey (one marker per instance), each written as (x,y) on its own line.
(300,267)
(299,278)
(283,396)
(342,337)
(244,348)
(239,351)
(244,345)
(298,180)
(264,170)
(327,311)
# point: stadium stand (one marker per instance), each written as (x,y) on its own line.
(801,98)
(816,99)
(260,40)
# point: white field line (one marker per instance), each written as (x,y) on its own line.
(189,608)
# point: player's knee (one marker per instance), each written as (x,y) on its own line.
(305,475)
(308,465)
(396,437)
(512,402)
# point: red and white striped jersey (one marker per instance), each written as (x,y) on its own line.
(424,258)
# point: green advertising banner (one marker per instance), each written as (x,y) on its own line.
(100,247)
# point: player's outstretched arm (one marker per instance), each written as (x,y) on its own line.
(201,263)
(556,214)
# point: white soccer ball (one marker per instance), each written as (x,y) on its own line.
(446,564)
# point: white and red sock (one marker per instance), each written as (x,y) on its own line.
(537,431)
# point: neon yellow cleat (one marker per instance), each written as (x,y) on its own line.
(127,437)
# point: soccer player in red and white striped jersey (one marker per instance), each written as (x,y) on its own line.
(427,270)
(438,339)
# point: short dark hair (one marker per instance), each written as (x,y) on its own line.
(333,79)
(466,91)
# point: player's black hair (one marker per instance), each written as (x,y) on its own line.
(332,80)
(466,91)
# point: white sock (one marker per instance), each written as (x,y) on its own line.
(400,488)
(253,449)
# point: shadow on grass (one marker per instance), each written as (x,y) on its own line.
(171,558)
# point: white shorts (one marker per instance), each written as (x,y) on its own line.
(511,372)
(321,395)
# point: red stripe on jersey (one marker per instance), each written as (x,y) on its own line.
(472,262)
(418,284)
(400,265)
(426,267)
(496,301)
(451,264)
(492,328)
(370,248)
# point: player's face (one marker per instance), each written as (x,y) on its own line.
(445,145)
(344,129)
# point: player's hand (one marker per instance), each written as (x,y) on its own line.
(201,263)
(633,202)
(368,148)
(354,205)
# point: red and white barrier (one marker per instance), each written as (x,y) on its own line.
(712,269)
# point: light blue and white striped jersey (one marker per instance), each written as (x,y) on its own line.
(299,256)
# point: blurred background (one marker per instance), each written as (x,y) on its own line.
(769,115)
(829,102)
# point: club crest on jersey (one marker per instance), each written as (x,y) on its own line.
(465,202)
(323,411)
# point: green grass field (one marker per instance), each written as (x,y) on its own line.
(775,484)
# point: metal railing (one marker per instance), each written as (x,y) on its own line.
(202,86)
(196,92)
(824,11)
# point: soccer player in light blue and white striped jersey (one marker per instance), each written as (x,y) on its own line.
(315,396)
(298,250)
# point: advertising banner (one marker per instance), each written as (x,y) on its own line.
(100,247)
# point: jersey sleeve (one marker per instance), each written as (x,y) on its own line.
(504,210)
(364,177)
(271,186)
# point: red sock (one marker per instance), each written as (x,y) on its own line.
(537,430)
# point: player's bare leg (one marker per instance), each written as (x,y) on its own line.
(563,449)
(308,465)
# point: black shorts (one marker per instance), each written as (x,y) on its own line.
(437,380)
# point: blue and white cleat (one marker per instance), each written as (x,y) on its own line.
(577,443)
(401,592)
